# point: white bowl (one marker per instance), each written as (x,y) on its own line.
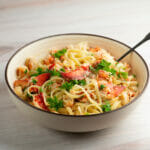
(76,123)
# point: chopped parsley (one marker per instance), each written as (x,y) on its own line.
(104,65)
(34,81)
(50,83)
(29,96)
(38,72)
(60,53)
(68,85)
(25,72)
(62,69)
(123,74)
(134,75)
(41,71)
(55,103)
(106,107)
(40,89)
(113,71)
(82,82)
(102,86)
(92,69)
(79,82)
(54,73)
(34,74)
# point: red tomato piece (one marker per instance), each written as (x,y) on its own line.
(86,68)
(77,74)
(118,89)
(51,66)
(114,90)
(39,100)
(42,78)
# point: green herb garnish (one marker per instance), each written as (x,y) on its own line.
(60,53)
(34,81)
(123,74)
(68,85)
(134,75)
(113,71)
(82,82)
(62,69)
(25,72)
(29,96)
(50,83)
(92,69)
(55,103)
(39,70)
(79,82)
(55,73)
(104,65)
(102,86)
(34,75)
(40,89)
(106,107)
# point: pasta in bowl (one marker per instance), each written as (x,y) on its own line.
(65,83)
(76,80)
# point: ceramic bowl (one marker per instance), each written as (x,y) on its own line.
(76,123)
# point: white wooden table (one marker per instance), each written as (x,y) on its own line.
(26,20)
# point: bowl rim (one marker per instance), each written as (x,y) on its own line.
(74,34)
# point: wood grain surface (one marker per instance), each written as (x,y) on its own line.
(22,21)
